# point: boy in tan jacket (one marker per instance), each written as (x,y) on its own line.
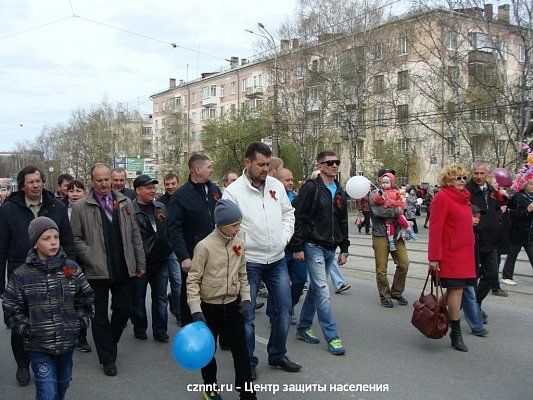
(218,294)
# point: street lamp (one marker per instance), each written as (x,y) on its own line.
(275,115)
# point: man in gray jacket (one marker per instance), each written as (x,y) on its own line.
(110,249)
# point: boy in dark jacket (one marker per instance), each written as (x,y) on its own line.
(47,301)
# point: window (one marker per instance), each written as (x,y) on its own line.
(478,145)
(453,74)
(405,145)
(193,118)
(359,147)
(222,111)
(300,71)
(403,113)
(205,92)
(257,81)
(213,90)
(450,111)
(244,85)
(233,108)
(379,84)
(502,53)
(522,53)
(481,41)
(163,106)
(501,147)
(379,115)
(450,146)
(185,100)
(378,148)
(222,90)
(193,98)
(378,51)
(402,45)
(193,136)
(233,87)
(403,80)
(452,41)
(208,113)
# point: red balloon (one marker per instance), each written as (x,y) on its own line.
(503,177)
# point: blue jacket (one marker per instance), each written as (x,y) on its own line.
(47,302)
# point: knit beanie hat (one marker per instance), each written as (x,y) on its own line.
(227,213)
(38,226)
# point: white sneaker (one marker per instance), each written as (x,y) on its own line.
(509,282)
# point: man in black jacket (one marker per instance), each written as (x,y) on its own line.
(191,218)
(16,213)
(118,182)
(484,196)
(152,217)
(172,183)
(321,226)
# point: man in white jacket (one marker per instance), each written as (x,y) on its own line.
(267,226)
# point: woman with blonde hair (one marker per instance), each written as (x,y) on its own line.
(451,244)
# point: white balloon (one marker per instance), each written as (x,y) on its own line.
(357,187)
(419,201)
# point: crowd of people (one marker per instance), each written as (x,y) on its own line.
(65,253)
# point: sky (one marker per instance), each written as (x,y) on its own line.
(60,55)
(47,72)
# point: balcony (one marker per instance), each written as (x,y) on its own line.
(254,92)
(210,101)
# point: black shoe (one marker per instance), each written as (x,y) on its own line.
(141,336)
(343,288)
(485,317)
(401,300)
(500,293)
(163,337)
(110,369)
(23,376)
(387,303)
(259,305)
(286,365)
(253,373)
(456,337)
(83,346)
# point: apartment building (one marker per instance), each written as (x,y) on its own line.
(416,92)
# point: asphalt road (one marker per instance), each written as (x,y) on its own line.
(382,348)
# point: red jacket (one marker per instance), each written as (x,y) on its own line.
(451,238)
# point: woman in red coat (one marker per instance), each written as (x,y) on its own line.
(451,243)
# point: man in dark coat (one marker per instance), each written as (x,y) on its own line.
(488,230)
(118,183)
(16,213)
(172,183)
(191,218)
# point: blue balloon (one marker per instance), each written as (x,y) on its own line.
(194,346)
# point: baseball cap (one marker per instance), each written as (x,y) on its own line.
(143,180)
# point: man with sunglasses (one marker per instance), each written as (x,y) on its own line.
(321,226)
(489,228)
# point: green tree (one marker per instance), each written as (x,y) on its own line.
(225,139)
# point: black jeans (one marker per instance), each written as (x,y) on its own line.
(186,317)
(227,319)
(488,271)
(366,221)
(514,250)
(106,335)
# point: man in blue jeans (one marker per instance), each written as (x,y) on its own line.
(297,269)
(321,226)
(152,217)
(267,226)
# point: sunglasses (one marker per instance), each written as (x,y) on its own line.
(330,163)
(464,178)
